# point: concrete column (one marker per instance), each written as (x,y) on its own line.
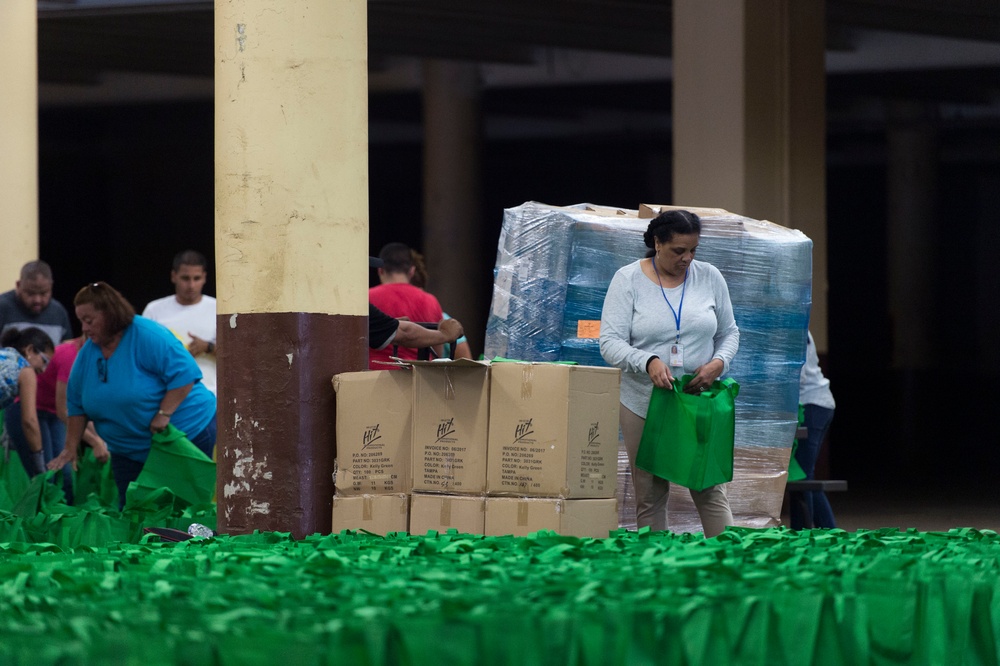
(452,194)
(911,189)
(749,117)
(291,251)
(18,138)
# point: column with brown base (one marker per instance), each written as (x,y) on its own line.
(452,193)
(291,251)
(750,117)
(18,138)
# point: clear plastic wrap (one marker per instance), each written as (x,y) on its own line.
(554,265)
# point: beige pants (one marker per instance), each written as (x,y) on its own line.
(651,491)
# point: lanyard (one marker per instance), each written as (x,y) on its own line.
(680,306)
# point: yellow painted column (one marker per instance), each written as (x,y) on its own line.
(452,194)
(18,137)
(291,188)
(749,117)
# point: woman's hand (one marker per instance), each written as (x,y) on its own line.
(100,449)
(168,405)
(64,458)
(704,376)
(159,422)
(660,373)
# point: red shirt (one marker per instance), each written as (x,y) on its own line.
(57,370)
(400,299)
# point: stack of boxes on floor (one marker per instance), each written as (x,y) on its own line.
(493,449)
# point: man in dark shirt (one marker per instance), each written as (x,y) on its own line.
(30,303)
(384,330)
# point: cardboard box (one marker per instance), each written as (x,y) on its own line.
(379,514)
(441,512)
(553,430)
(520,516)
(450,426)
(374,430)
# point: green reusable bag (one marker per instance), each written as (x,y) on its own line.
(13,479)
(688,439)
(795,471)
(175,463)
(94,478)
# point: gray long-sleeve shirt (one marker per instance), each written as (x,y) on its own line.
(637,323)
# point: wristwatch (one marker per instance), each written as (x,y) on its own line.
(211,348)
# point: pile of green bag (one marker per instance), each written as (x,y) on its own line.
(767,596)
(84,585)
(174,491)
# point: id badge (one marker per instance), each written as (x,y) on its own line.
(676,356)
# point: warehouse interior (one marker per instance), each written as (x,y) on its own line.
(575,102)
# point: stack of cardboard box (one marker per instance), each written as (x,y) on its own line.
(451,409)
(495,449)
(553,449)
(372,474)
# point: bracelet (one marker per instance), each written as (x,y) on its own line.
(211,348)
(163,413)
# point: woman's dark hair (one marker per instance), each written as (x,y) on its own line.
(25,337)
(419,278)
(118,312)
(664,226)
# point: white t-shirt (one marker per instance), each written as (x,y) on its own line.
(814,387)
(183,320)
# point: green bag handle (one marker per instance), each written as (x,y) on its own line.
(718,386)
(168,435)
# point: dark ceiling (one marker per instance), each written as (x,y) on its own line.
(77,40)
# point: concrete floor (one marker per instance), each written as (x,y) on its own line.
(866,509)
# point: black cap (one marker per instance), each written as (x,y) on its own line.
(374,262)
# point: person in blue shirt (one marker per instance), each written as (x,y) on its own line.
(132,378)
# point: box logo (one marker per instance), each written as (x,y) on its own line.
(445,429)
(594,436)
(522,430)
(371,435)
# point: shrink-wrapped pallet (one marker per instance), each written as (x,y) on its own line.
(554,265)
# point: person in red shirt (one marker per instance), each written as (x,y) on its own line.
(396,297)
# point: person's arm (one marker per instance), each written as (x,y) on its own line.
(61,410)
(168,405)
(75,426)
(27,390)
(416,336)
(725,343)
(727,336)
(198,346)
(616,333)
(90,436)
(463,350)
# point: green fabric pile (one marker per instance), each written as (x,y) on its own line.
(35,510)
(749,596)
(85,585)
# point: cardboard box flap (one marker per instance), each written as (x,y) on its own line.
(448,363)
(647,211)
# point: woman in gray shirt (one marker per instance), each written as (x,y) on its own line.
(666,316)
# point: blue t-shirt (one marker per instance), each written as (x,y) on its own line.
(122,394)
(11,364)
